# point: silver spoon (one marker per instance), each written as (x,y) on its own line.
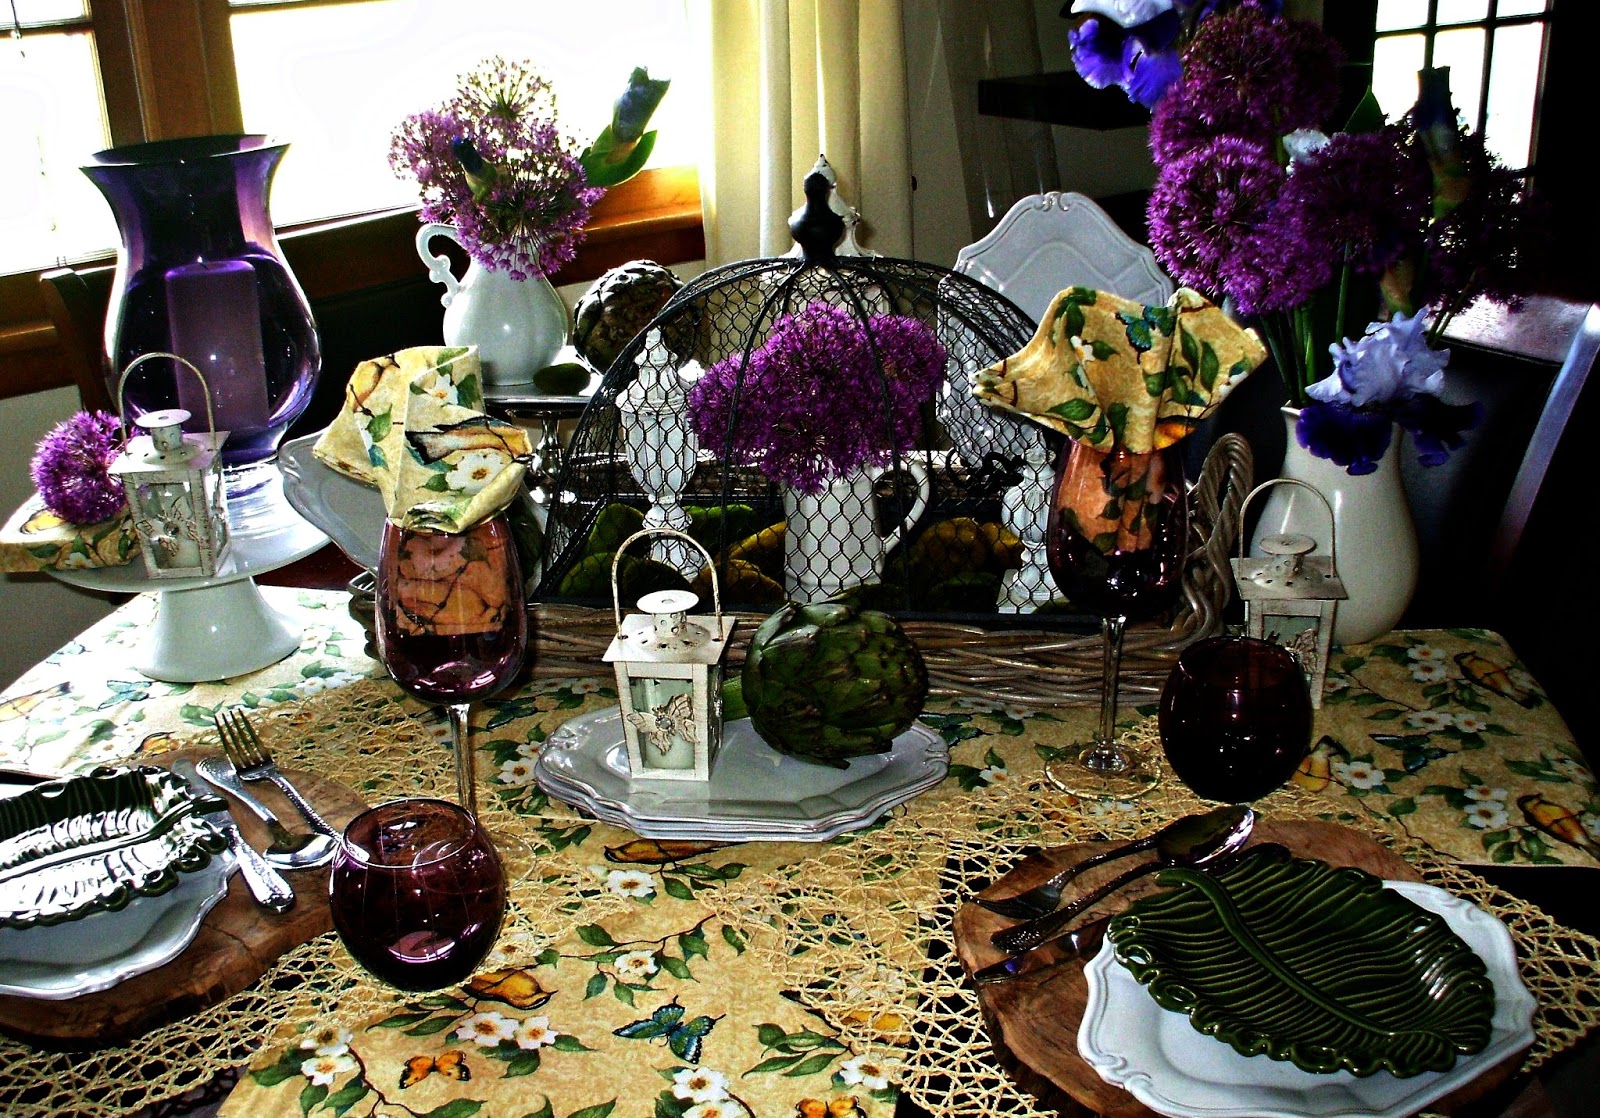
(288,850)
(1193,845)
(1191,830)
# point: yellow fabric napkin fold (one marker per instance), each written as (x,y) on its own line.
(412,425)
(1105,370)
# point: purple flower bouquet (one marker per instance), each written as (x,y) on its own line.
(825,394)
(1309,235)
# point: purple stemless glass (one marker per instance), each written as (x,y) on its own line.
(201,274)
(1235,717)
(417,893)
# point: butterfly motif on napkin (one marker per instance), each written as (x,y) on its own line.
(674,718)
(451,1063)
(683,1037)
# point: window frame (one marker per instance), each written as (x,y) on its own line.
(193,91)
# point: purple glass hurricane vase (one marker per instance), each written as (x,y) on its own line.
(200,274)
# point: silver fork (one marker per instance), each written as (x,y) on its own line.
(252,760)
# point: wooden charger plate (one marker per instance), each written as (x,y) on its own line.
(236,943)
(1033,1020)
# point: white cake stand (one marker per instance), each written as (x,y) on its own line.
(218,627)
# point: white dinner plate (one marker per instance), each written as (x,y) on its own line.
(755,794)
(97,952)
(1171,1067)
(349,513)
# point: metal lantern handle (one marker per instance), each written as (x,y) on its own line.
(1333,543)
(716,591)
(122,384)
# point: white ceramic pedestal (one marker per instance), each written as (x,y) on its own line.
(218,627)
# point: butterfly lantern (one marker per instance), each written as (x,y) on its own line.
(669,676)
(1291,596)
(177,502)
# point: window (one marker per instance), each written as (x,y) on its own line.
(333,77)
(1495,50)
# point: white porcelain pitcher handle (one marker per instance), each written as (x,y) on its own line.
(924,491)
(438,266)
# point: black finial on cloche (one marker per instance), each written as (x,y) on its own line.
(814,226)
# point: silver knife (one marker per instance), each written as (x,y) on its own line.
(1076,944)
(266,884)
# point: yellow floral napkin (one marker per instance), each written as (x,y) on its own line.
(1107,371)
(36,539)
(413,425)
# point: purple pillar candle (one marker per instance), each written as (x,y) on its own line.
(215,322)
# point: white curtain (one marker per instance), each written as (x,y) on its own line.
(791,80)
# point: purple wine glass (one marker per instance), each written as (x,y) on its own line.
(1116,541)
(417,892)
(452,627)
(1235,717)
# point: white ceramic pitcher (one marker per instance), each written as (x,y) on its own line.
(833,539)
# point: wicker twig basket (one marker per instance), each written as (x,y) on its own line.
(1029,666)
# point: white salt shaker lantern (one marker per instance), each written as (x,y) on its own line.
(669,676)
(1290,595)
(177,501)
(661,446)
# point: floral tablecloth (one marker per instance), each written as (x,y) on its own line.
(655,978)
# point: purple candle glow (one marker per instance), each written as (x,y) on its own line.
(215,322)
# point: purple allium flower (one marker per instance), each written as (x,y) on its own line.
(69,468)
(1248,74)
(1204,202)
(523,204)
(807,405)
(1359,199)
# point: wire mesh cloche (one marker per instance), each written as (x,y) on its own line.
(809,419)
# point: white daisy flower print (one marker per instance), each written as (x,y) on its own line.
(636,964)
(699,1084)
(330,1040)
(1591,823)
(1573,770)
(444,390)
(1471,723)
(718,1108)
(866,1071)
(1430,721)
(1428,671)
(534,1032)
(630,883)
(1483,794)
(486,1029)
(994,774)
(474,469)
(1105,809)
(323,1070)
(977,704)
(1486,815)
(1357,774)
(1426,654)
(528,749)
(517,771)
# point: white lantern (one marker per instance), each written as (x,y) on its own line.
(1290,595)
(669,676)
(173,482)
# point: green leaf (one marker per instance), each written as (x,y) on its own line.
(599,1110)
(677,968)
(1367,116)
(675,887)
(445,1001)
(769,1034)
(1403,807)
(595,936)
(1075,410)
(693,943)
(276,1074)
(775,1063)
(596,985)
(812,1064)
(523,1063)
(622,992)
(565,1043)
(347,1096)
(431,1026)
(458,1108)
(545,1111)
(733,939)
(311,1095)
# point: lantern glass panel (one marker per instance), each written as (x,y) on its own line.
(668,742)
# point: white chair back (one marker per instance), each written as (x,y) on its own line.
(1047,243)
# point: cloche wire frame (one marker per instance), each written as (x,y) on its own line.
(731,311)
(619,468)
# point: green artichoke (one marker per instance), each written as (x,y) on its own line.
(826,682)
(620,304)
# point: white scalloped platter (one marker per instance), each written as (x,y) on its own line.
(755,794)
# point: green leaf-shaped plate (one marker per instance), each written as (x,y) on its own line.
(1299,961)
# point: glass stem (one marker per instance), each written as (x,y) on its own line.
(466,763)
(1112,629)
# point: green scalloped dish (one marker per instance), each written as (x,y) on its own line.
(92,843)
(1296,960)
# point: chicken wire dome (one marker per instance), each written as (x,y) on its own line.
(917,532)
